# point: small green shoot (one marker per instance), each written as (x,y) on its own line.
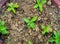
(30,23)
(45,29)
(3,28)
(55,38)
(12,7)
(40,4)
(30,42)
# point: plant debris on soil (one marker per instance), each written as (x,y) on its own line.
(19,33)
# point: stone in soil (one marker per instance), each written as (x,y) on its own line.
(2,2)
(56,3)
(49,2)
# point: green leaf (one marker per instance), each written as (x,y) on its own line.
(14,11)
(3,28)
(51,39)
(42,26)
(34,19)
(15,5)
(26,20)
(12,7)
(36,6)
(2,22)
(40,7)
(44,1)
(32,25)
(55,33)
(38,2)
(4,32)
(46,29)
(9,9)
(58,42)
(30,42)
(55,38)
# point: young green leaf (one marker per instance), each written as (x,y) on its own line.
(40,4)
(41,7)
(55,38)
(12,7)
(5,32)
(13,10)
(34,19)
(16,5)
(30,42)
(44,1)
(30,23)
(2,22)
(51,39)
(42,26)
(36,6)
(3,28)
(26,20)
(9,9)
(55,33)
(45,29)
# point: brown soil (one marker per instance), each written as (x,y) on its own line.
(19,33)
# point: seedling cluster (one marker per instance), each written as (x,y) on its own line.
(31,22)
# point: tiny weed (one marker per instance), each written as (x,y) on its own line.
(55,38)
(3,28)
(12,7)
(45,29)
(30,23)
(40,4)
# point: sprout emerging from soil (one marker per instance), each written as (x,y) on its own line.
(12,7)
(3,28)
(30,23)
(45,29)
(55,38)
(40,4)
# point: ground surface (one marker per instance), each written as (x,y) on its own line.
(19,33)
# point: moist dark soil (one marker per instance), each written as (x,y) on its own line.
(18,31)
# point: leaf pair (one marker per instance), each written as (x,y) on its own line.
(55,38)
(30,23)
(12,7)
(40,4)
(3,28)
(45,29)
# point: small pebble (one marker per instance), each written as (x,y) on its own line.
(49,2)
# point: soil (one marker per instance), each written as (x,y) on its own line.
(19,33)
